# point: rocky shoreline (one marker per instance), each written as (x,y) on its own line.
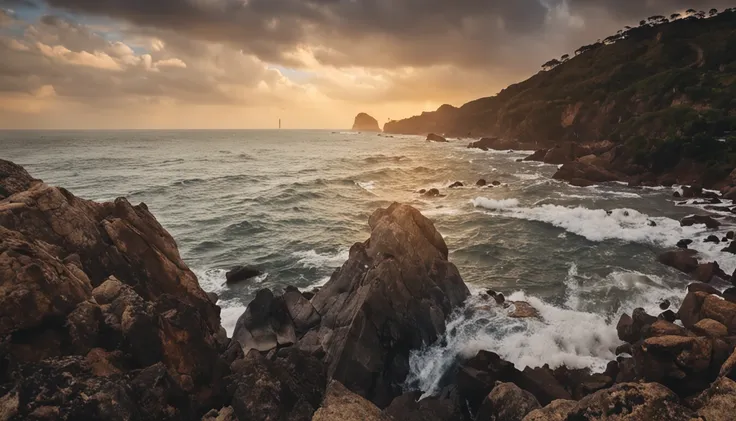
(101,319)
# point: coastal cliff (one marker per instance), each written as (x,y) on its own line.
(661,93)
(101,319)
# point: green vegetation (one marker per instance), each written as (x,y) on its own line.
(665,89)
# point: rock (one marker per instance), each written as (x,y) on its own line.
(455,184)
(242,273)
(365,123)
(488,143)
(678,362)
(692,191)
(392,296)
(499,298)
(706,220)
(681,260)
(587,173)
(730,293)
(677,194)
(709,328)
(668,315)
(523,310)
(720,310)
(718,402)
(664,328)
(664,305)
(224,414)
(537,156)
(705,272)
(631,402)
(290,387)
(408,407)
(301,311)
(683,244)
(481,183)
(727,369)
(14,179)
(630,328)
(435,138)
(265,324)
(699,286)
(432,193)
(507,402)
(555,411)
(690,309)
(731,248)
(340,404)
(730,235)
(565,153)
(712,239)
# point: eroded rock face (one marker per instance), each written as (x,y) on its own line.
(391,296)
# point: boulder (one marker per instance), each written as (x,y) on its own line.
(690,309)
(289,387)
(731,248)
(14,179)
(365,123)
(681,260)
(631,402)
(537,156)
(495,143)
(432,193)
(481,183)
(710,328)
(555,411)
(706,271)
(301,311)
(455,184)
(683,244)
(265,324)
(692,191)
(507,402)
(630,328)
(223,414)
(718,402)
(392,296)
(435,138)
(564,153)
(407,407)
(580,171)
(708,221)
(702,287)
(242,273)
(720,310)
(340,404)
(523,310)
(679,362)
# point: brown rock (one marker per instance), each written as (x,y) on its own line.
(556,411)
(14,179)
(689,312)
(408,407)
(706,220)
(631,402)
(665,328)
(224,414)
(710,328)
(699,286)
(341,404)
(580,171)
(681,260)
(523,310)
(241,273)
(705,272)
(365,123)
(718,402)
(436,138)
(721,311)
(507,402)
(265,324)
(537,156)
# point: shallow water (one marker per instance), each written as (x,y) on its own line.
(293,202)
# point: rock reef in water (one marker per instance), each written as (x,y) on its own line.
(366,123)
(100,319)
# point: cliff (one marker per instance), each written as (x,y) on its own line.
(663,90)
(365,123)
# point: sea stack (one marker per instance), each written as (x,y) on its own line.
(366,123)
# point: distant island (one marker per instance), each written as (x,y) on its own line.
(661,93)
(365,123)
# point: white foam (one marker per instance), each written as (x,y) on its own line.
(367,185)
(312,259)
(229,317)
(211,280)
(534,176)
(494,204)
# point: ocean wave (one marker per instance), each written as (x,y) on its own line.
(386,158)
(366,185)
(313,259)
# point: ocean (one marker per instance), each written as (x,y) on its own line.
(293,202)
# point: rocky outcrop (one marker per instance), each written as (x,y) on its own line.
(340,404)
(391,296)
(507,402)
(241,273)
(495,143)
(583,175)
(432,137)
(630,402)
(366,123)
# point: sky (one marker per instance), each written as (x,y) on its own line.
(227,64)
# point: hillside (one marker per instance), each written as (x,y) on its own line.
(665,90)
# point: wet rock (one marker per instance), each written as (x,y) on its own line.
(432,193)
(668,315)
(631,328)
(432,137)
(730,235)
(392,296)
(710,328)
(699,286)
(706,271)
(242,273)
(706,220)
(481,183)
(631,402)
(623,349)
(730,293)
(214,298)
(665,328)
(683,244)
(507,402)
(290,387)
(678,362)
(664,305)
(224,414)
(718,402)
(731,248)
(496,183)
(340,404)
(265,324)
(712,239)
(455,184)
(565,153)
(408,407)
(677,194)
(580,171)
(301,311)
(422,191)
(499,298)
(537,156)
(556,411)
(681,260)
(523,310)
(690,309)
(692,191)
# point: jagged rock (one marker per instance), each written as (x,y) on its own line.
(719,310)
(340,404)
(537,156)
(706,220)
(555,411)
(706,271)
(709,328)
(242,273)
(365,123)
(435,138)
(83,325)
(587,173)
(681,260)
(630,328)
(699,286)
(391,296)
(301,311)
(718,402)
(507,402)
(678,362)
(631,402)
(455,184)
(224,414)
(265,324)
(407,407)
(289,387)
